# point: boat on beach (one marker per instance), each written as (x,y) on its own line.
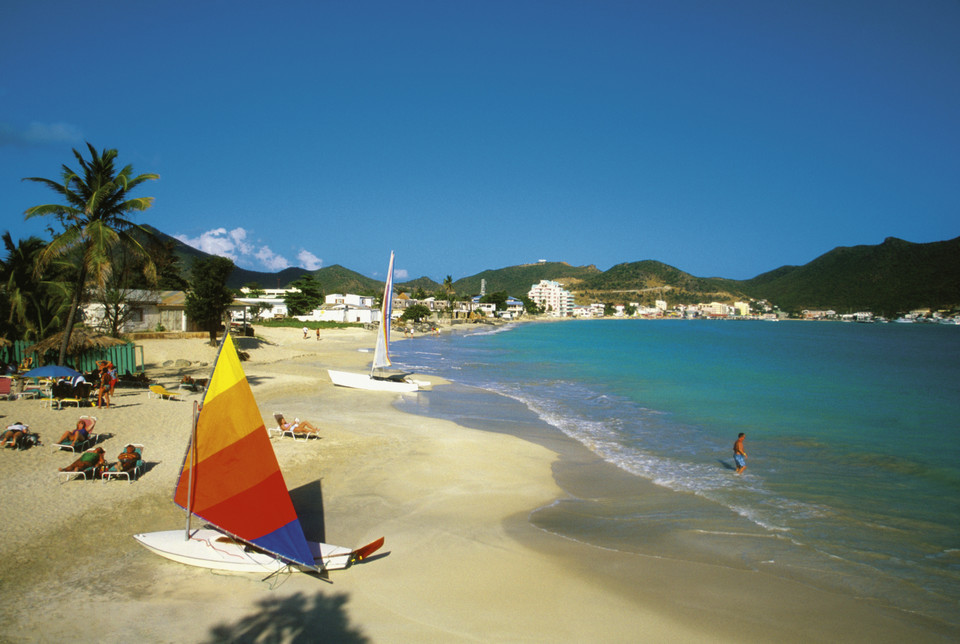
(378,379)
(231,479)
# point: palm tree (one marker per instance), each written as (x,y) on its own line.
(449,293)
(94,223)
(34,305)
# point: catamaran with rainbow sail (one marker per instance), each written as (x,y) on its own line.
(377,379)
(231,479)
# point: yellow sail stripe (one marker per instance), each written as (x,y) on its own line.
(228,371)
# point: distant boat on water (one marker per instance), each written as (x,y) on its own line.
(378,379)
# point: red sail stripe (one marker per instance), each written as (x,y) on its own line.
(255,512)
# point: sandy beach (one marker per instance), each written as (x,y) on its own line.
(461,561)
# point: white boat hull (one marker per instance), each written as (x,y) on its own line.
(365,381)
(208,548)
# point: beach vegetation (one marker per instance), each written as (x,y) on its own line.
(207,294)
(307,297)
(94,222)
(33,306)
(530,307)
(499,299)
(415,313)
(446,290)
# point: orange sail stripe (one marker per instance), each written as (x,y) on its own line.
(229,472)
(226,419)
(238,516)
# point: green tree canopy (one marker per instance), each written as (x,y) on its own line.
(207,294)
(94,222)
(33,307)
(499,298)
(310,295)
(416,312)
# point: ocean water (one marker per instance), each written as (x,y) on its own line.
(852,432)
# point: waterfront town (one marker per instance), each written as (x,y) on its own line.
(166,310)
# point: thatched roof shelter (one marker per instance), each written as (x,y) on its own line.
(81,340)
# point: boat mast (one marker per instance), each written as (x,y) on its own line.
(193,471)
(191,456)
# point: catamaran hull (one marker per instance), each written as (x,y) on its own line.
(364,381)
(207,548)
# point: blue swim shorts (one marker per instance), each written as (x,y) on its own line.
(739,460)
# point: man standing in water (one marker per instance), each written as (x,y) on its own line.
(740,456)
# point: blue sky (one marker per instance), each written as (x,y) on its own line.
(722,138)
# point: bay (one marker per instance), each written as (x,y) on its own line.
(852,433)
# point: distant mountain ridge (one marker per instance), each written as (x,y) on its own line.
(893,276)
(885,278)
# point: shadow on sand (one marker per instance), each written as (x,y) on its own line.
(297,618)
(308,500)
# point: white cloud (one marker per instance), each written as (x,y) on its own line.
(308,260)
(270,260)
(399,274)
(214,242)
(233,244)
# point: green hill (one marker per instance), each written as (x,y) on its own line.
(893,276)
(650,274)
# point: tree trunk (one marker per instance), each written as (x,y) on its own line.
(74,305)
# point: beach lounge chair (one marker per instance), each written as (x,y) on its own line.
(158,391)
(83,445)
(20,389)
(88,474)
(6,388)
(291,429)
(131,475)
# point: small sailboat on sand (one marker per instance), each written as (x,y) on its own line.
(231,479)
(377,379)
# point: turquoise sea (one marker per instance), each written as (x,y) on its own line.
(853,437)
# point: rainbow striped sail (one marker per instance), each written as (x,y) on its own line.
(230,475)
(381,355)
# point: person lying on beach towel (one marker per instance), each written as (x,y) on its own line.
(91,458)
(13,434)
(77,434)
(298,426)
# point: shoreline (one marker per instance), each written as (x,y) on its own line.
(462,561)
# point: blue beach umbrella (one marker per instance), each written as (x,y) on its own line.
(51,371)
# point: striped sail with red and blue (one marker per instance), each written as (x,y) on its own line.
(237,485)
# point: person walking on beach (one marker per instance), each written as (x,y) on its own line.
(740,456)
(305,332)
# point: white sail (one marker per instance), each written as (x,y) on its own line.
(381,356)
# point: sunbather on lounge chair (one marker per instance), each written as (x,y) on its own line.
(126,460)
(298,426)
(75,435)
(11,437)
(92,458)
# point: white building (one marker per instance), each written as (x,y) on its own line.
(350,299)
(552,298)
(269,308)
(345,307)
